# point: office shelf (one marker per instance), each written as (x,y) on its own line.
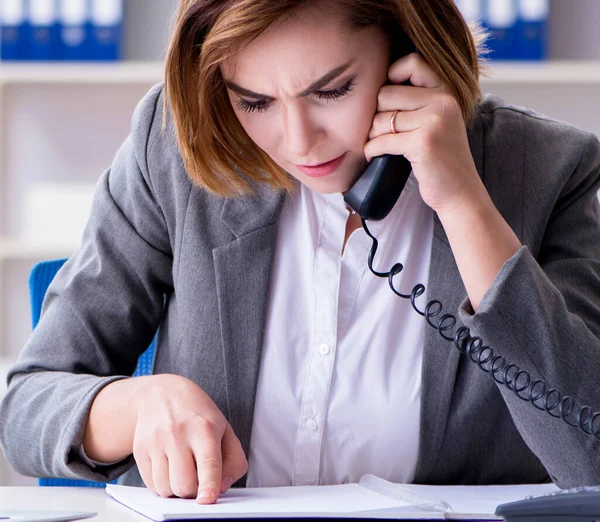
(81,73)
(19,249)
(559,72)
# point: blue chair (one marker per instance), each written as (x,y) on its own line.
(39,279)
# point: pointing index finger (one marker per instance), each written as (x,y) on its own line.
(209,464)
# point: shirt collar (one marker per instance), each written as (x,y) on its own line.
(336,200)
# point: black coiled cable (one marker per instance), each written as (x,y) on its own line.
(537,392)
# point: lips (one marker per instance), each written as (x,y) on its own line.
(322,169)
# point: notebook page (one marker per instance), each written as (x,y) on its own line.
(460,499)
(248,502)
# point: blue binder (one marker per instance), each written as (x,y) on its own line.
(74,17)
(500,18)
(533,29)
(44,37)
(13,30)
(106,28)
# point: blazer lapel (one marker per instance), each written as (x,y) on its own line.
(243,269)
(440,357)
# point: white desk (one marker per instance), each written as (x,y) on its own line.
(68,499)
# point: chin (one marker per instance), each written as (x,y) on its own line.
(328,186)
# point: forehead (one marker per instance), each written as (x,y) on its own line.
(302,47)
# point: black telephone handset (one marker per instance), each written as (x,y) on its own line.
(378,188)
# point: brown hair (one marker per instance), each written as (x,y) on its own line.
(217,153)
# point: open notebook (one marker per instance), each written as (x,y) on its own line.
(372,497)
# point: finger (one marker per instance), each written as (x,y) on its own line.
(404,98)
(414,68)
(182,473)
(396,144)
(235,464)
(160,474)
(403,121)
(207,454)
(144,465)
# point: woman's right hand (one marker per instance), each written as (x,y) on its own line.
(182,444)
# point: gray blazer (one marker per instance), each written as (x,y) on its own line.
(158,250)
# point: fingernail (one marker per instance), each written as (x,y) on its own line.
(205,494)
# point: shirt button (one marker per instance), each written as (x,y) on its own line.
(324,349)
(312,425)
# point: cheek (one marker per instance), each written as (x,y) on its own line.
(261,129)
(353,120)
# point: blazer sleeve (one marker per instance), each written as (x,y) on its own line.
(543,315)
(100,313)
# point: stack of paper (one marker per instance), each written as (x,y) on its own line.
(371,497)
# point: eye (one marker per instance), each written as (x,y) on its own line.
(259,106)
(263,106)
(334,94)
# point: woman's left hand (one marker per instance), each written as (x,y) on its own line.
(430,133)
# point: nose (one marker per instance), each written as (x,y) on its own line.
(301,132)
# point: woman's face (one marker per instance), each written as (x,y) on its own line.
(305,92)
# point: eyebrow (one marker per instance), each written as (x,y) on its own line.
(319,84)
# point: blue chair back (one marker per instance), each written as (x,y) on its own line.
(39,279)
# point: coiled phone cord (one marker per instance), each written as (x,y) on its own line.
(537,392)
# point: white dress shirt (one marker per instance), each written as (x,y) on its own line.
(339,387)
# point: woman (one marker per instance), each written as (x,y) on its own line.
(232,232)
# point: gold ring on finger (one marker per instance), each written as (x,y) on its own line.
(393,122)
